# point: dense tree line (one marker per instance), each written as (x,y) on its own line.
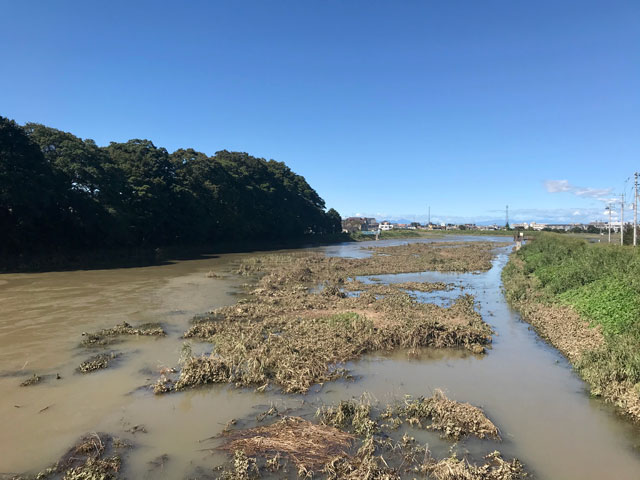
(58,191)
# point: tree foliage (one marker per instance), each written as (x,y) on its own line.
(58,191)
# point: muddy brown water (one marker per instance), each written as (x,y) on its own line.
(543,410)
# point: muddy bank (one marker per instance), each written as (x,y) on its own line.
(298,327)
(566,330)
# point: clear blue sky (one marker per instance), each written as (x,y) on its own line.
(384,107)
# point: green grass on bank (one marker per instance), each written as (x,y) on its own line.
(602,283)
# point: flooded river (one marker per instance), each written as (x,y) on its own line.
(543,410)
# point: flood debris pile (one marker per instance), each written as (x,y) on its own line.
(109,335)
(407,258)
(349,415)
(292,333)
(309,446)
(425,287)
(493,468)
(32,380)
(351,441)
(304,339)
(439,256)
(453,419)
(381,289)
(94,457)
(97,362)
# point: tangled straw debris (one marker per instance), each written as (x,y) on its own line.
(32,380)
(327,450)
(494,468)
(309,446)
(108,335)
(291,334)
(453,419)
(97,362)
(92,458)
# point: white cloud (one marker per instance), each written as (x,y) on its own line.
(557,186)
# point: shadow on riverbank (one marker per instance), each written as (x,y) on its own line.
(133,257)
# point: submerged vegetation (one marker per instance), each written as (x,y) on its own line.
(97,362)
(564,285)
(453,419)
(298,327)
(32,380)
(355,441)
(109,335)
(93,457)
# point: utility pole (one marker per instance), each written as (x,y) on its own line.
(609,208)
(635,209)
(622,219)
(506,225)
(429,214)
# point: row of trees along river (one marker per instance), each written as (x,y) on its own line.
(60,192)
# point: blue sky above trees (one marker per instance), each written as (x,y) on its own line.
(384,107)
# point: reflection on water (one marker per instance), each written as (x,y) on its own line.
(545,415)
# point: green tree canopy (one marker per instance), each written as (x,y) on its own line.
(60,191)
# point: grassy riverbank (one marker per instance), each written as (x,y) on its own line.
(585,299)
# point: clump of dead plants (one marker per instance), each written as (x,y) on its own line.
(108,335)
(295,350)
(293,334)
(453,419)
(32,380)
(331,449)
(97,362)
(306,444)
(350,414)
(92,458)
(493,468)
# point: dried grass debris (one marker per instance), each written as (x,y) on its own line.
(97,362)
(494,468)
(453,419)
(32,380)
(309,446)
(108,335)
(91,458)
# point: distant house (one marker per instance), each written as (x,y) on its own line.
(386,226)
(565,227)
(529,226)
(359,224)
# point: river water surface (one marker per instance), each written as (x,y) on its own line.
(528,389)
